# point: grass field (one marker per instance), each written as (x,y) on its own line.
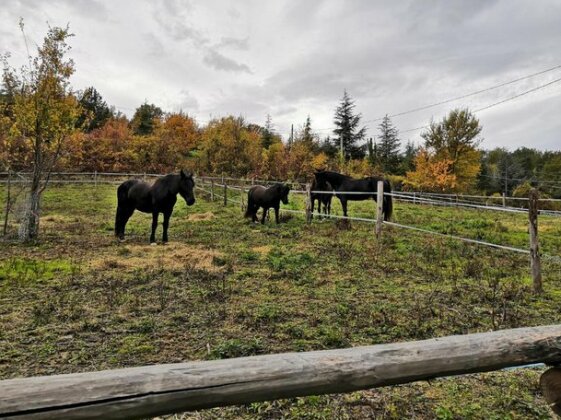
(79,301)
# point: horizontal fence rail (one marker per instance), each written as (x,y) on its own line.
(161,389)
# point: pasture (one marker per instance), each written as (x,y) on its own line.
(80,301)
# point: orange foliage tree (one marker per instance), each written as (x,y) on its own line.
(431,173)
(228,146)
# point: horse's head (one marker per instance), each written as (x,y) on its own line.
(283,191)
(186,186)
(320,181)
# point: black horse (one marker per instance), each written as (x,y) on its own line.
(157,198)
(345,183)
(260,196)
(322,198)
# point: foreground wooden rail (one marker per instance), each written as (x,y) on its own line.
(160,389)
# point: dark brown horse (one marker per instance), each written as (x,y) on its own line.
(260,196)
(157,198)
(320,197)
(360,189)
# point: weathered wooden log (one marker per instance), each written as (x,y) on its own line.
(154,390)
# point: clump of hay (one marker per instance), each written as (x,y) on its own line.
(173,256)
(199,217)
(263,250)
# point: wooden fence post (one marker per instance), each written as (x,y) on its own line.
(225,192)
(212,190)
(242,192)
(95,179)
(379,208)
(535,263)
(504,200)
(309,203)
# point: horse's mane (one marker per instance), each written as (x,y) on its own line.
(336,175)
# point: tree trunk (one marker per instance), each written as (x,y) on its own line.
(29,227)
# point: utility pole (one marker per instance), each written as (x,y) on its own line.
(291,136)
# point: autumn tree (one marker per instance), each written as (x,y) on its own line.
(170,146)
(146,118)
(44,114)
(431,173)
(347,131)
(455,140)
(229,146)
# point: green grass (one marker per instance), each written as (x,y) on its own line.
(79,301)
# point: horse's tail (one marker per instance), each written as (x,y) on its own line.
(387,206)
(250,204)
(122,198)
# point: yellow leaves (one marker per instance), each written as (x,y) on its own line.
(431,174)
(320,161)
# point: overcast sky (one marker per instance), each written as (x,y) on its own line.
(291,59)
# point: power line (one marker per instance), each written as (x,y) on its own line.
(457,98)
(497,103)
(424,107)
(519,95)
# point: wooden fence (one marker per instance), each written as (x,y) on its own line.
(160,389)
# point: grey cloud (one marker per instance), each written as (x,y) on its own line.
(219,61)
(235,43)
(188,102)
(173,19)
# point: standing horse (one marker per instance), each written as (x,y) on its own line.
(260,196)
(368,186)
(322,198)
(157,198)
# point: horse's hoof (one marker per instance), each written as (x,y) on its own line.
(153,244)
(121,239)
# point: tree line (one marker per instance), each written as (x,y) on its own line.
(45,125)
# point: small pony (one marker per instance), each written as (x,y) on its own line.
(322,198)
(157,198)
(260,196)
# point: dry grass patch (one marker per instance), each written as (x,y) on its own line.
(263,250)
(174,255)
(200,217)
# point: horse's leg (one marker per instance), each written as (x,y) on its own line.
(254,214)
(123,216)
(167,215)
(154,226)
(265,209)
(277,214)
(344,205)
(313,206)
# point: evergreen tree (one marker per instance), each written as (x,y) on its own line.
(145,119)
(484,178)
(327,146)
(95,111)
(388,147)
(372,149)
(267,134)
(347,131)
(307,134)
(408,159)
